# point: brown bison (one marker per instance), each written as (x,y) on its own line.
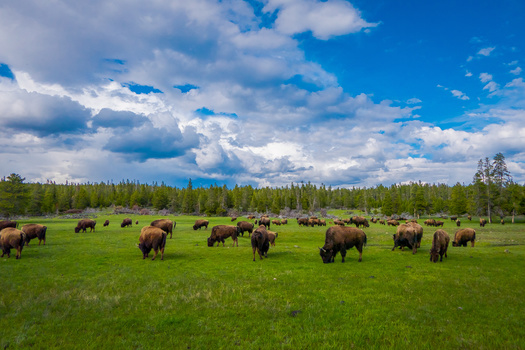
(220,232)
(165,225)
(453,218)
(482,222)
(271,237)
(439,248)
(7,223)
(340,239)
(339,222)
(35,231)
(458,223)
(234,218)
(322,222)
(84,224)
(382,222)
(360,221)
(152,237)
(419,232)
(260,242)
(264,221)
(302,221)
(405,236)
(469,218)
(463,236)
(136,222)
(126,222)
(392,222)
(201,223)
(284,221)
(430,222)
(438,223)
(106,223)
(250,217)
(276,222)
(11,238)
(245,226)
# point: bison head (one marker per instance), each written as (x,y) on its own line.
(195,227)
(326,255)
(434,255)
(145,250)
(455,244)
(77,229)
(211,242)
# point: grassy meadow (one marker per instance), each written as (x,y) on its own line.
(94,291)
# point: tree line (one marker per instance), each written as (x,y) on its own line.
(491,193)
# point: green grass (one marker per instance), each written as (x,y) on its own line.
(94,291)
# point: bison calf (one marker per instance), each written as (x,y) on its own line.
(201,223)
(439,248)
(11,238)
(152,237)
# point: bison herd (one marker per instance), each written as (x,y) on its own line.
(338,238)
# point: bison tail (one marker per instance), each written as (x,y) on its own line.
(163,242)
(365,241)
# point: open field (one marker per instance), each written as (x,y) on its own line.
(94,291)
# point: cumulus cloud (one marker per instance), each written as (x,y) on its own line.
(516,71)
(459,94)
(485,77)
(486,51)
(108,118)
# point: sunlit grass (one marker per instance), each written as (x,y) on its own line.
(93,290)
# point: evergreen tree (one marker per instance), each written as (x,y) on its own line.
(14,195)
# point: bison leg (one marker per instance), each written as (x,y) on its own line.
(360,250)
(472,243)
(19,252)
(162,253)
(343,254)
(253,248)
(155,255)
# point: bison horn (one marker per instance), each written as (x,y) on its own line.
(322,249)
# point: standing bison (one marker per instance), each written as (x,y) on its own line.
(439,248)
(482,222)
(419,232)
(245,226)
(201,223)
(84,224)
(126,222)
(152,237)
(165,225)
(106,223)
(35,231)
(264,221)
(405,236)
(340,239)
(463,236)
(7,223)
(271,237)
(11,238)
(359,221)
(260,242)
(220,232)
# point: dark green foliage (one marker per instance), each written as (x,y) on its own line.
(14,195)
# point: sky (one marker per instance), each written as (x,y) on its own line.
(262,93)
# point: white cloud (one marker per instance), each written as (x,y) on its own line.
(516,71)
(486,51)
(485,77)
(518,82)
(460,95)
(491,86)
(413,101)
(468,74)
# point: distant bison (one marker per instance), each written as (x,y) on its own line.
(430,222)
(482,222)
(126,222)
(360,221)
(340,239)
(339,222)
(35,231)
(405,236)
(245,226)
(302,221)
(458,223)
(463,236)
(260,242)
(85,224)
(453,218)
(11,238)
(438,223)
(439,248)
(201,223)
(264,221)
(271,237)
(106,223)
(276,222)
(7,223)
(284,221)
(136,222)
(220,232)
(165,225)
(392,222)
(152,237)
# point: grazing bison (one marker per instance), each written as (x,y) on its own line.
(34,231)
(220,232)
(419,232)
(340,239)
(439,248)
(438,223)
(11,238)
(360,221)
(276,222)
(339,222)
(271,237)
(430,222)
(392,222)
(106,223)
(126,222)
(453,218)
(234,218)
(405,236)
(284,221)
(152,237)
(245,226)
(463,236)
(165,225)
(136,222)
(250,217)
(7,223)
(482,222)
(201,223)
(260,242)
(382,222)
(302,221)
(322,222)
(458,223)
(469,218)
(84,224)
(264,221)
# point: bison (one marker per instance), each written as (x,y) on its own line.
(152,237)
(463,236)
(234,218)
(165,225)
(264,221)
(430,222)
(453,218)
(482,222)
(405,236)
(201,223)
(260,242)
(276,222)
(340,239)
(469,217)
(12,238)
(106,223)
(381,222)
(245,227)
(284,221)
(302,221)
(458,223)
(339,222)
(438,223)
(271,237)
(35,231)
(359,221)
(392,222)
(126,222)
(7,223)
(419,232)
(84,224)
(220,232)
(439,248)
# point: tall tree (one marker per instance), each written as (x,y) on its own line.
(14,195)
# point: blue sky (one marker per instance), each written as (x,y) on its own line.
(346,93)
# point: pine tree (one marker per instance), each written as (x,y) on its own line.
(14,195)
